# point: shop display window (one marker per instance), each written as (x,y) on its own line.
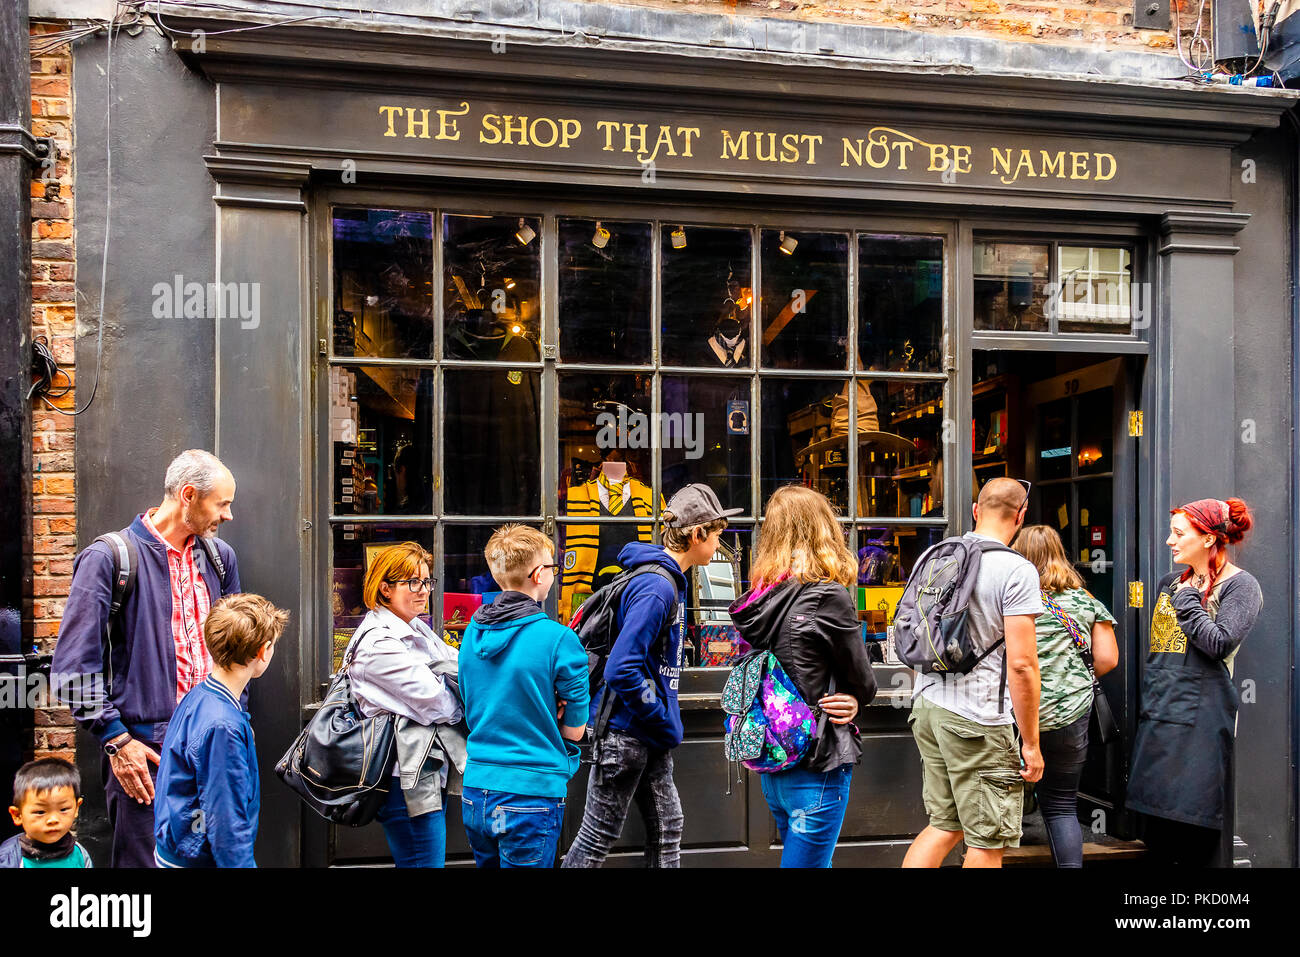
(1095,289)
(383,283)
(467,582)
(707,436)
(492,442)
(355,546)
(491,287)
(900,303)
(382,432)
(899,439)
(607,429)
(605,291)
(805,303)
(708,296)
(712,641)
(1011,286)
(886,556)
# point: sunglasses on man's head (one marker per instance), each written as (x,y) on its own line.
(1026,485)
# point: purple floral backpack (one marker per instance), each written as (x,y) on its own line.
(769,726)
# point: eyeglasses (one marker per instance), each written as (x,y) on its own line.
(554,567)
(414,584)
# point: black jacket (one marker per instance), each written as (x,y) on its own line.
(813,631)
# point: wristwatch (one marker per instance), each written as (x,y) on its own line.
(112,749)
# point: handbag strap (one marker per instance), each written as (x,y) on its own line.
(1076,633)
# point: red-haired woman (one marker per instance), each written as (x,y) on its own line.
(1188,715)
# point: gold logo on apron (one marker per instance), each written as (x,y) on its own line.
(1166,636)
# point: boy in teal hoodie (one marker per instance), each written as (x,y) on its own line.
(523,679)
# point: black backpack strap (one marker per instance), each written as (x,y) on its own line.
(990,546)
(125,562)
(214,556)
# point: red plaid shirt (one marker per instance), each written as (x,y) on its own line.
(190,605)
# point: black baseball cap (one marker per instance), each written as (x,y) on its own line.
(696,505)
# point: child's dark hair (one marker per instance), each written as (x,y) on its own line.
(44,775)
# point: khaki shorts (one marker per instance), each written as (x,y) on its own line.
(970,775)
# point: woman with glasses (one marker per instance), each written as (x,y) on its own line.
(401,666)
(1065,704)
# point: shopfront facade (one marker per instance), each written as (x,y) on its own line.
(551,285)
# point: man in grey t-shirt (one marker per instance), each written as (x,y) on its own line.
(972,781)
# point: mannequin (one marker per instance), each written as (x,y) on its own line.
(591,550)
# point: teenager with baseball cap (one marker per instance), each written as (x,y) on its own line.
(633,759)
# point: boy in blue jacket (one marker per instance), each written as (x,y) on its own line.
(208,792)
(523,680)
(632,754)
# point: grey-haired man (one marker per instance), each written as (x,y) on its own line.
(123,684)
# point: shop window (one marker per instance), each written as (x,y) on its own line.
(900,303)
(706,436)
(805,303)
(900,449)
(886,555)
(383,283)
(467,582)
(381,437)
(492,446)
(607,431)
(355,546)
(712,641)
(590,548)
(804,437)
(707,296)
(605,291)
(1011,286)
(1095,289)
(491,287)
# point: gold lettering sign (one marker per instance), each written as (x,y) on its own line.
(881,148)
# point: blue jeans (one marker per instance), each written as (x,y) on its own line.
(415,841)
(809,809)
(511,830)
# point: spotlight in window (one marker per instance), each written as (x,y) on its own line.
(600,237)
(788,244)
(510,283)
(525,233)
(516,328)
(678,237)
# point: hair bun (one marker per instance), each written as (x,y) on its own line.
(1240,520)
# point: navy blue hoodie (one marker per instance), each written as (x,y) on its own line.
(642,671)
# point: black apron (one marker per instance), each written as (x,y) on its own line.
(1186,724)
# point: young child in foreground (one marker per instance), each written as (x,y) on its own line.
(208,792)
(47,797)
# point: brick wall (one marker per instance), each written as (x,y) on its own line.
(54,315)
(1105,24)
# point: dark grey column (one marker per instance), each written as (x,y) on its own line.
(1197,429)
(262,417)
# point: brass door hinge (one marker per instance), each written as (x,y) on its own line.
(1134,424)
(1136,595)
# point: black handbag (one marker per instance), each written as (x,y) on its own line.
(341,765)
(1103,725)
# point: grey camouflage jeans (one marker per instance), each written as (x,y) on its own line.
(624,769)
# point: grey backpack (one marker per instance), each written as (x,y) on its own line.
(930,624)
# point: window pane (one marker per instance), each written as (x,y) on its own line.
(605,429)
(707,296)
(1096,412)
(491,282)
(802,442)
(1096,288)
(381,429)
(491,450)
(805,303)
(355,545)
(467,580)
(900,448)
(885,558)
(711,639)
(589,548)
(900,303)
(383,283)
(604,291)
(1055,450)
(712,444)
(1011,286)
